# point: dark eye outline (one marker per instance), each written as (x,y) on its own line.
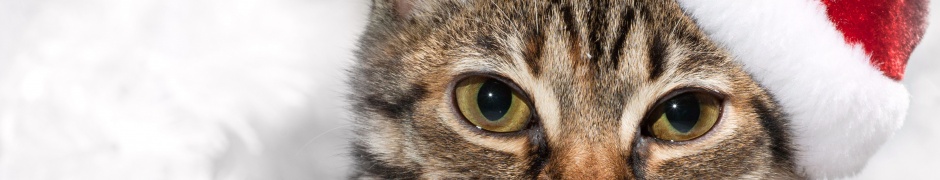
(524,96)
(647,123)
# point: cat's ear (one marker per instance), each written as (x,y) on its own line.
(417,9)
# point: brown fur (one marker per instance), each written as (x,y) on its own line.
(592,70)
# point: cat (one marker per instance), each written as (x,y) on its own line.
(594,89)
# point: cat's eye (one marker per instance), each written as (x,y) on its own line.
(491,104)
(683,117)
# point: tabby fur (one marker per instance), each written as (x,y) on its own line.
(592,69)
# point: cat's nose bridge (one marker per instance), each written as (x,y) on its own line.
(588,153)
(587,160)
(588,145)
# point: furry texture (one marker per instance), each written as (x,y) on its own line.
(204,89)
(594,70)
(330,29)
(842,108)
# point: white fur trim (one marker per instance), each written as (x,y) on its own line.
(175,89)
(841,108)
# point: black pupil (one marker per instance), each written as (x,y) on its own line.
(494,99)
(682,112)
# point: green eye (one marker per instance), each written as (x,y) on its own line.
(491,104)
(684,117)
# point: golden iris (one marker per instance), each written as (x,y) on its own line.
(685,116)
(492,105)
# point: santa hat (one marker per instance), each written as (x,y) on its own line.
(833,65)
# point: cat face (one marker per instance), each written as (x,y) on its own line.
(558,90)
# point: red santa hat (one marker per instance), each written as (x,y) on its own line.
(833,65)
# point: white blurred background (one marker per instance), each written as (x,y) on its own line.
(240,89)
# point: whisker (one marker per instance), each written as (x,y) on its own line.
(306,144)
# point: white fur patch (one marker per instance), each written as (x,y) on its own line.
(841,108)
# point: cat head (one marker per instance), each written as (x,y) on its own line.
(557,89)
